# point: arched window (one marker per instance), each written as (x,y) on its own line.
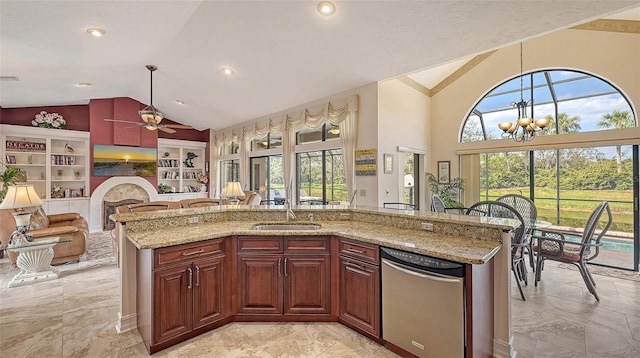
(574,101)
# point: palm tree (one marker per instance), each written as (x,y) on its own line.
(566,124)
(618,119)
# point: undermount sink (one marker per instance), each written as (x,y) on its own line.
(285,226)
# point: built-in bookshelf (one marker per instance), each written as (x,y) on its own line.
(179,164)
(54,161)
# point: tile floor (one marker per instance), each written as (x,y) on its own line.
(74,317)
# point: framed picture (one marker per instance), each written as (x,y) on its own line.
(388,163)
(444,172)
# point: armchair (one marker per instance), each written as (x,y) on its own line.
(70,226)
(552,245)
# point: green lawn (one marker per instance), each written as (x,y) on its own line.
(574,212)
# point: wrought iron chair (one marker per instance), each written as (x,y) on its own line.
(553,245)
(438,206)
(519,237)
(529,212)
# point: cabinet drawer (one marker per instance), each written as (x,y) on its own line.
(306,244)
(257,244)
(188,252)
(360,250)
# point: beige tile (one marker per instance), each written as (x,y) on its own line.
(75,317)
(89,331)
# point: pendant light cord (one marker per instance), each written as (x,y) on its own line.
(521,80)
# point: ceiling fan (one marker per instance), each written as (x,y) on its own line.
(151,116)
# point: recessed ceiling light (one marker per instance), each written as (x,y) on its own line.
(83,84)
(96,31)
(179,102)
(326,8)
(227,70)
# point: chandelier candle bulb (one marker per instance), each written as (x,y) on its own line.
(523,122)
(542,122)
(505,126)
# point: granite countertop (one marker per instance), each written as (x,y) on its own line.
(459,249)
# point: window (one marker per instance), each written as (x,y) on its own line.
(229,171)
(574,101)
(229,149)
(269,141)
(321,177)
(267,178)
(567,184)
(320,166)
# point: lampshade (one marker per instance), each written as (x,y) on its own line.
(20,196)
(233,188)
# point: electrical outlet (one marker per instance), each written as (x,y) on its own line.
(426,226)
(193,220)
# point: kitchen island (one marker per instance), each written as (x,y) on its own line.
(475,241)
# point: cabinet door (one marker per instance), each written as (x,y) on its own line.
(260,284)
(172,302)
(307,284)
(360,295)
(210,295)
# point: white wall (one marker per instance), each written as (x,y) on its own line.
(403,120)
(610,55)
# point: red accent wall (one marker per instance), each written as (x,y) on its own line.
(90,118)
(76,116)
(104,132)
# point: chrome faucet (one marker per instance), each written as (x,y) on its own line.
(290,214)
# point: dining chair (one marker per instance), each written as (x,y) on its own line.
(438,205)
(527,208)
(519,237)
(553,245)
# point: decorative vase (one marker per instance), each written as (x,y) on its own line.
(203,187)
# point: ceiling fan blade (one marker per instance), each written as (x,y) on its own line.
(122,121)
(166,130)
(178,126)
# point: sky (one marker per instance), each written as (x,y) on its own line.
(119,152)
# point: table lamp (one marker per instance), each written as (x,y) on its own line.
(20,197)
(233,189)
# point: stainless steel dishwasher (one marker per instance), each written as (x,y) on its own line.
(423,304)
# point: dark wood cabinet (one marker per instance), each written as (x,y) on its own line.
(307,284)
(360,287)
(182,291)
(173,302)
(210,295)
(295,281)
(260,284)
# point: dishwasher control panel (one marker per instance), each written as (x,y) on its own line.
(424,262)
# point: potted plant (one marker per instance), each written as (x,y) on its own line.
(163,188)
(9,176)
(447,192)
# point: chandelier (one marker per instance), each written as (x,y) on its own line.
(525,127)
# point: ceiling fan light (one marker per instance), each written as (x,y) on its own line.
(151,114)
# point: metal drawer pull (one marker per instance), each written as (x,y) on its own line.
(279,269)
(197,276)
(356,251)
(190,277)
(193,253)
(361,267)
(285,267)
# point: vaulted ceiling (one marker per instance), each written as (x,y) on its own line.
(283,53)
